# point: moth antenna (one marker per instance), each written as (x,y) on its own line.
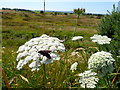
(36,49)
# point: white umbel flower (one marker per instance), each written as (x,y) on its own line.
(73,66)
(77,38)
(29,51)
(101,39)
(88,79)
(101,62)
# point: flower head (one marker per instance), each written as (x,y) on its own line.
(100,39)
(35,51)
(88,79)
(73,66)
(77,38)
(102,62)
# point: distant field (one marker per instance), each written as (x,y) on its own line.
(19,27)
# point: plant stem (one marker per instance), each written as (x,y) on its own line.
(84,57)
(5,79)
(44,76)
(75,27)
(114,77)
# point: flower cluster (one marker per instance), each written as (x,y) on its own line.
(88,79)
(102,62)
(77,38)
(73,66)
(29,51)
(100,39)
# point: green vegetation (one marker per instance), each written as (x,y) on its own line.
(19,27)
(110,26)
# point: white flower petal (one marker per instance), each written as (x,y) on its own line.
(101,61)
(88,79)
(73,66)
(100,39)
(29,51)
(77,38)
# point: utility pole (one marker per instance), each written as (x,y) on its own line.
(44,6)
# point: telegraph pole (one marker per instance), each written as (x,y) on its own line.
(44,6)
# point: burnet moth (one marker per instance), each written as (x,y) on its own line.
(45,53)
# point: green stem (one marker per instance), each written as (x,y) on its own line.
(78,41)
(44,76)
(75,27)
(106,84)
(84,58)
(66,60)
(84,53)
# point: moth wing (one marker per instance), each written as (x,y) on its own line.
(46,51)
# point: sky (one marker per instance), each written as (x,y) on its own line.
(91,6)
(60,0)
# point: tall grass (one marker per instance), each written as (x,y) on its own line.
(20,27)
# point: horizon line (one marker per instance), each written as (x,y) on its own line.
(48,10)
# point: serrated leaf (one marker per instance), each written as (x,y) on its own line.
(25,79)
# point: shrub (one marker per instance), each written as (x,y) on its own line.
(56,13)
(41,12)
(65,13)
(110,26)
